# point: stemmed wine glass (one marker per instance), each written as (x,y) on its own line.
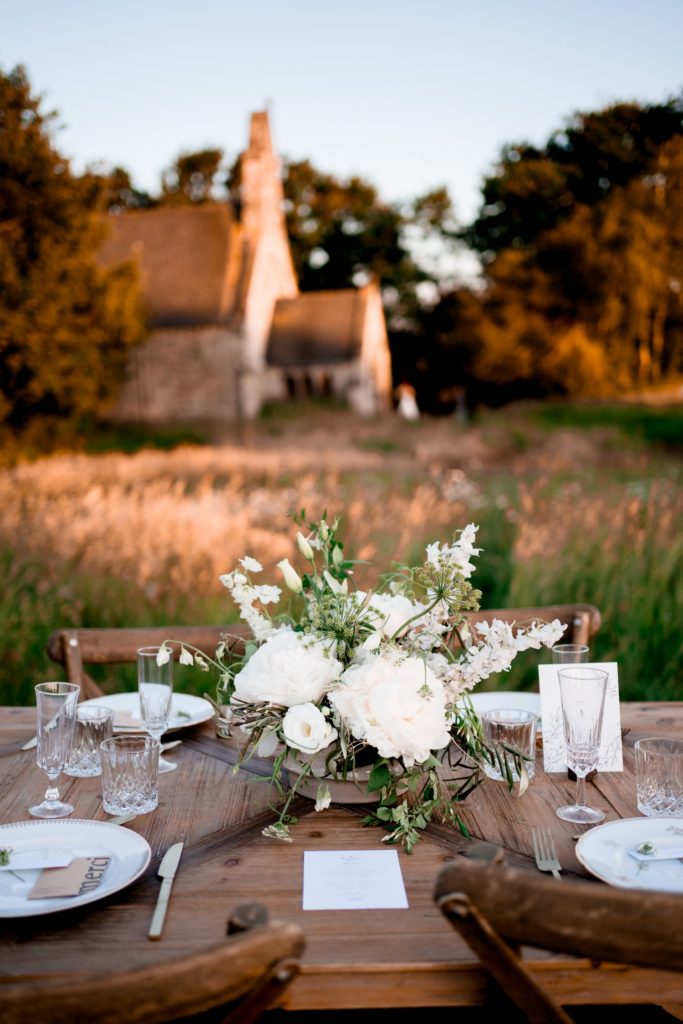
(56,705)
(155,687)
(582,693)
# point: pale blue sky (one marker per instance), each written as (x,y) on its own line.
(408,93)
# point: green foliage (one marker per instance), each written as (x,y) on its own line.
(191,178)
(658,424)
(66,324)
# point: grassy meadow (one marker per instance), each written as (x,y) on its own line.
(573,503)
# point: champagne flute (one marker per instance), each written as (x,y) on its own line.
(155,687)
(582,693)
(56,705)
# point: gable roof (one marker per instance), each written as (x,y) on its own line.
(317,328)
(187,257)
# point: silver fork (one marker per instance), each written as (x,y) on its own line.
(545,852)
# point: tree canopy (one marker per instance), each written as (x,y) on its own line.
(66,324)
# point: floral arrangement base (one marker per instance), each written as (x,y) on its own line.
(351,790)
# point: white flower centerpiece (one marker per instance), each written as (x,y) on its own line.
(378,678)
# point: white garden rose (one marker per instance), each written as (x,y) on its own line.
(289,668)
(306,728)
(397,705)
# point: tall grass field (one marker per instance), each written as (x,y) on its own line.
(572,505)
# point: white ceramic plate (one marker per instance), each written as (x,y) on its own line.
(604,852)
(129,852)
(186,711)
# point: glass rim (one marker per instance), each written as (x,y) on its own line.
(513,714)
(571,648)
(585,673)
(97,712)
(152,650)
(68,688)
(131,742)
(640,745)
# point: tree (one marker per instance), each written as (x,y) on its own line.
(66,324)
(191,178)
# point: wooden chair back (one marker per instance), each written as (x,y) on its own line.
(76,648)
(497,909)
(242,977)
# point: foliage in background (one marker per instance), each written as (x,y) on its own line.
(66,324)
(582,249)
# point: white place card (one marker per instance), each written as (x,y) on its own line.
(353,880)
(554,752)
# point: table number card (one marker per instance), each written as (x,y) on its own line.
(353,880)
(554,754)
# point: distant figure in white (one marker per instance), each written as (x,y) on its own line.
(407,406)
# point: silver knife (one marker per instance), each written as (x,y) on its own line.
(33,742)
(30,744)
(167,870)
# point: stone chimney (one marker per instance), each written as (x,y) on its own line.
(261,193)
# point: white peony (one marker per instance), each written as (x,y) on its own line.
(391,611)
(306,728)
(396,705)
(289,668)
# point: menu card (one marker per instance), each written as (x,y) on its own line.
(554,753)
(81,876)
(353,880)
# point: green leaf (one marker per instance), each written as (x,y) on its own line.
(380,776)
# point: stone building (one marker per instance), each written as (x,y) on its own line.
(229,328)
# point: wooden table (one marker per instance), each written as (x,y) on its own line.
(353,959)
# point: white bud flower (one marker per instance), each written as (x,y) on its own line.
(290,576)
(304,547)
(163,655)
(185,656)
(337,556)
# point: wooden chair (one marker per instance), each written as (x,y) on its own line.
(237,981)
(497,909)
(76,648)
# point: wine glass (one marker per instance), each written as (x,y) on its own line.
(56,705)
(155,687)
(582,693)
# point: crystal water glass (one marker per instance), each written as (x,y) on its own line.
(56,705)
(130,774)
(93,726)
(509,728)
(582,693)
(569,654)
(659,776)
(155,688)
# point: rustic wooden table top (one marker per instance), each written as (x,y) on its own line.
(353,958)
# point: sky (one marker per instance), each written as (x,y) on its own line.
(410,94)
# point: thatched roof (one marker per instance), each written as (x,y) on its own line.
(188,258)
(317,328)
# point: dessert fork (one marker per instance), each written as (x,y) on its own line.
(545,852)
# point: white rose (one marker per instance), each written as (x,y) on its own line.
(288,669)
(397,706)
(306,728)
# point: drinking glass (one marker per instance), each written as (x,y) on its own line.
(55,713)
(567,654)
(93,726)
(155,687)
(582,693)
(130,774)
(509,727)
(659,776)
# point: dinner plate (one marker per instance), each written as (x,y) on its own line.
(186,711)
(129,852)
(604,852)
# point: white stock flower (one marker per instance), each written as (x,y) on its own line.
(290,576)
(289,668)
(306,728)
(250,564)
(457,554)
(395,704)
(323,797)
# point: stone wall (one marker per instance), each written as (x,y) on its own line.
(182,375)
